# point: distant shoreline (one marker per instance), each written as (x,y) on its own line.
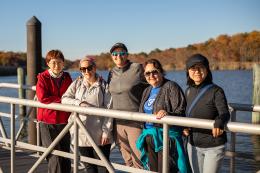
(12,71)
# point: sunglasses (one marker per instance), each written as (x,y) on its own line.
(84,69)
(119,53)
(153,72)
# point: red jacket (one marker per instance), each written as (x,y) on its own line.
(47,92)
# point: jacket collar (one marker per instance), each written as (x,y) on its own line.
(123,69)
(202,84)
(96,84)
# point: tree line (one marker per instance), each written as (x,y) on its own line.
(238,51)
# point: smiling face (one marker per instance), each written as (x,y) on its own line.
(119,56)
(56,65)
(88,70)
(152,75)
(198,73)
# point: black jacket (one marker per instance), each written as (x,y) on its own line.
(213,106)
(170,98)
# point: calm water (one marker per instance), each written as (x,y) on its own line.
(238,89)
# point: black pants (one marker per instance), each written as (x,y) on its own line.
(49,132)
(155,158)
(90,152)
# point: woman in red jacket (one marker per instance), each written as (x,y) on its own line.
(51,85)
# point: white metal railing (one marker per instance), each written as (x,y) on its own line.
(17,86)
(14,143)
(233,127)
(234,107)
(166,121)
(245,107)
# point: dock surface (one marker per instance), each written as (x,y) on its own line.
(25,159)
(23,162)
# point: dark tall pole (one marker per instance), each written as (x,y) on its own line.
(34,56)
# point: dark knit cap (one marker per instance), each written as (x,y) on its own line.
(118,45)
(197,59)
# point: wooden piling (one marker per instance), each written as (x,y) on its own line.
(256,92)
(21,95)
(256,115)
(34,56)
(21,92)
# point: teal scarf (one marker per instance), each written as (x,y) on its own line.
(157,135)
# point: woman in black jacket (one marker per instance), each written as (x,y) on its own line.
(205,100)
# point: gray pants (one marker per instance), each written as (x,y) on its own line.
(49,132)
(205,160)
(127,136)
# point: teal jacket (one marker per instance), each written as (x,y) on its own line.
(157,135)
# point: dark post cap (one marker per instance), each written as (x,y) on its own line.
(33,21)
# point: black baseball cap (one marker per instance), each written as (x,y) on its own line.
(197,59)
(118,45)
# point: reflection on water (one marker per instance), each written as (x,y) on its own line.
(238,89)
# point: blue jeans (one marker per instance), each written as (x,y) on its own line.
(205,160)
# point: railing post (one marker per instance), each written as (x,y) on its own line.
(76,153)
(165,148)
(38,142)
(3,132)
(233,143)
(12,125)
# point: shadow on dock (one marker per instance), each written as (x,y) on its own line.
(23,162)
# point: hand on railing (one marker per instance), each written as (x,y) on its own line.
(160,114)
(186,132)
(86,104)
(104,139)
(217,132)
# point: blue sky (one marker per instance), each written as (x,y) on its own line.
(90,27)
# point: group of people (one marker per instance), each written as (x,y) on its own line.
(136,88)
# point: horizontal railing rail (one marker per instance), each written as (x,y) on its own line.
(245,107)
(17,86)
(170,120)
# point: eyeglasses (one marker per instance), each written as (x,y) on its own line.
(53,63)
(153,72)
(119,53)
(197,68)
(89,68)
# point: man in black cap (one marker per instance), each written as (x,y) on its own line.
(126,84)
